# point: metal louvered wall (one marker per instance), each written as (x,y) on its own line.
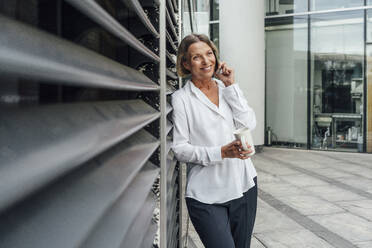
(84,137)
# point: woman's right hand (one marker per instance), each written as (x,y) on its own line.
(235,150)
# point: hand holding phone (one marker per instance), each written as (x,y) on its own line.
(225,74)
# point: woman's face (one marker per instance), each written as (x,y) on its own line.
(200,60)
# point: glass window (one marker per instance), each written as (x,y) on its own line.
(281,7)
(286,80)
(215,10)
(215,34)
(337,58)
(186,19)
(369,25)
(334,4)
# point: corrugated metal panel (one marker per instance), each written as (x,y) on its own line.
(172,216)
(169,144)
(170,57)
(79,174)
(73,205)
(172,190)
(171,9)
(170,89)
(114,225)
(99,15)
(171,25)
(169,127)
(32,139)
(169,108)
(171,74)
(175,5)
(136,6)
(171,165)
(171,42)
(143,221)
(149,236)
(28,52)
(173,241)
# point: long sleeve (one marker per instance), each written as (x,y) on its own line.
(183,150)
(243,115)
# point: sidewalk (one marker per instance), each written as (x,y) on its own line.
(312,199)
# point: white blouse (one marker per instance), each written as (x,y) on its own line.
(200,129)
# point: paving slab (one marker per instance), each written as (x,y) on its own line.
(303,180)
(347,225)
(353,169)
(267,178)
(310,205)
(333,193)
(355,158)
(281,188)
(269,220)
(256,244)
(365,244)
(334,172)
(359,183)
(293,239)
(275,169)
(362,208)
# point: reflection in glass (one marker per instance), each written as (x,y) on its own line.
(280,7)
(334,4)
(186,19)
(337,55)
(369,25)
(215,10)
(286,81)
(215,34)
(201,16)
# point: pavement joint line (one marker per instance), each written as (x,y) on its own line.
(321,177)
(260,241)
(325,234)
(346,171)
(359,215)
(326,154)
(341,159)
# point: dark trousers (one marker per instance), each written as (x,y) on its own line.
(225,225)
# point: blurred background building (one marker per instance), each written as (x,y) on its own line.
(318,93)
(311,90)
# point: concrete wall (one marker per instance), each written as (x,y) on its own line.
(242,46)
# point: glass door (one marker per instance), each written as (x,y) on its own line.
(286,81)
(337,81)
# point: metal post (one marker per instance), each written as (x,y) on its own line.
(180,166)
(180,33)
(163,123)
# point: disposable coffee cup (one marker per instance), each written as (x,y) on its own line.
(245,137)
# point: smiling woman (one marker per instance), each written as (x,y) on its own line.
(221,179)
(185,46)
(201,61)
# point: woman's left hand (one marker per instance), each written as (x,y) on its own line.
(225,74)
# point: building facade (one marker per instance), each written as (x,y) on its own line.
(318,74)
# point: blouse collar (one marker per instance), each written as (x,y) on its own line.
(205,100)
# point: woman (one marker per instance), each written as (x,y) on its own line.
(221,191)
